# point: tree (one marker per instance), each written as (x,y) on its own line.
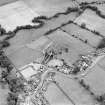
(83,25)
(101,44)
(86,41)
(4,75)
(12,99)
(16,85)
(2,31)
(76,70)
(66,50)
(5,44)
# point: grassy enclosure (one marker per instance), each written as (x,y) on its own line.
(75,47)
(16,14)
(49,7)
(83,34)
(4,2)
(26,36)
(89,1)
(92,21)
(74,90)
(96,79)
(56,97)
(101,8)
(24,56)
(62,38)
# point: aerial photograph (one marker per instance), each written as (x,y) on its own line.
(52,52)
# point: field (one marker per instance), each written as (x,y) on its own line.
(16,14)
(56,97)
(101,63)
(4,2)
(49,7)
(3,95)
(89,1)
(68,39)
(72,89)
(92,39)
(92,21)
(65,39)
(26,36)
(24,56)
(40,44)
(96,79)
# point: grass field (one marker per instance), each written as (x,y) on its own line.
(96,79)
(3,95)
(16,14)
(40,44)
(102,63)
(49,7)
(89,1)
(4,2)
(72,29)
(63,38)
(26,36)
(56,97)
(75,46)
(74,90)
(24,56)
(92,21)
